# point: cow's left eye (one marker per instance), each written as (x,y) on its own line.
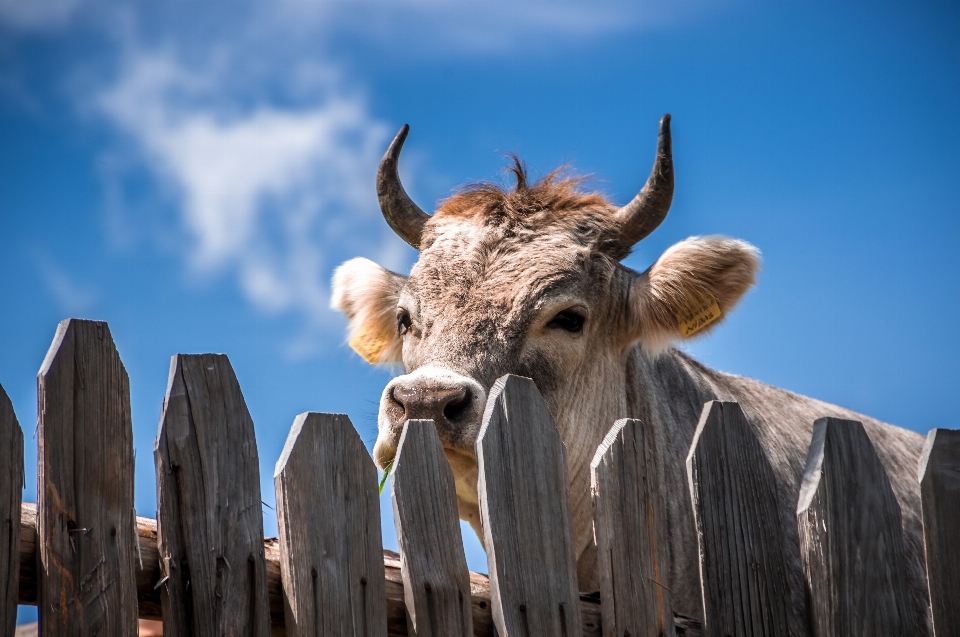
(567,320)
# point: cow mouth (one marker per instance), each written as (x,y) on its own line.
(462,460)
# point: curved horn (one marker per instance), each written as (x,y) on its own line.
(649,208)
(405,217)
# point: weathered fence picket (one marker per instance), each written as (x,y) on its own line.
(939,477)
(739,528)
(436,581)
(11,490)
(209,525)
(629,525)
(86,519)
(851,537)
(326,487)
(525,514)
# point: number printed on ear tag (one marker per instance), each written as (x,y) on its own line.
(695,320)
(369,342)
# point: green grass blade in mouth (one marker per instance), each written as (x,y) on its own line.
(383,479)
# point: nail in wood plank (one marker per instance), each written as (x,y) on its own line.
(210,525)
(86,520)
(328,511)
(940,495)
(436,580)
(628,523)
(851,537)
(524,509)
(743,567)
(11,491)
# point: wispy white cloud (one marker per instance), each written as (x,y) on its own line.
(257,187)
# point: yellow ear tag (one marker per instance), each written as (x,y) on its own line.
(695,320)
(370,342)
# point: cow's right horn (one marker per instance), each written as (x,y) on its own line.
(405,217)
(649,208)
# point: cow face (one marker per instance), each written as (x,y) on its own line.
(528,282)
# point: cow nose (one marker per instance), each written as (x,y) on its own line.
(436,404)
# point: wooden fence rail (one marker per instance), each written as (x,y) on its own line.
(204,567)
(148,577)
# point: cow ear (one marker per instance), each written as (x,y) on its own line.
(367,294)
(690,288)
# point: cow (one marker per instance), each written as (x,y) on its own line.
(528,281)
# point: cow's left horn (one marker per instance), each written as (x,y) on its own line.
(405,217)
(649,208)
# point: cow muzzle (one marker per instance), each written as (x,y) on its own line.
(452,401)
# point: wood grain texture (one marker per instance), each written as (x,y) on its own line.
(628,523)
(524,509)
(148,577)
(939,476)
(851,538)
(86,521)
(436,580)
(328,512)
(210,525)
(11,492)
(743,560)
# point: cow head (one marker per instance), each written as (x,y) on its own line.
(529,282)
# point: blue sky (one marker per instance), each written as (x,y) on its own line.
(191,172)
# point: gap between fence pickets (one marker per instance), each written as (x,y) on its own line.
(149,596)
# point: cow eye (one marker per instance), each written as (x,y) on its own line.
(567,320)
(403,321)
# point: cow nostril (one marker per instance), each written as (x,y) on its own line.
(454,409)
(403,396)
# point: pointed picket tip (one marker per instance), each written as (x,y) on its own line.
(309,420)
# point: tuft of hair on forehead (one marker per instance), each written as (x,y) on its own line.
(556,197)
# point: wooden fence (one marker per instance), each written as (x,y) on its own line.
(92,567)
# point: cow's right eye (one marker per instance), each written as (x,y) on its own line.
(403,322)
(567,320)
